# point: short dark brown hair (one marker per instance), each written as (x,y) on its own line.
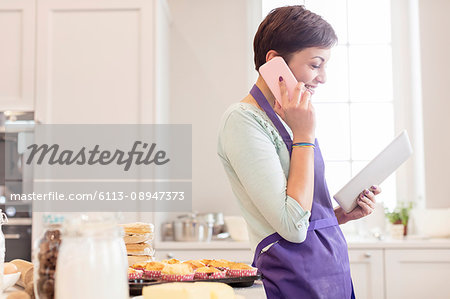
(290,29)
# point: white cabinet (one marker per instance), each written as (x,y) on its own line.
(417,274)
(367,268)
(101,61)
(17,54)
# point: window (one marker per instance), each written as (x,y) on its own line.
(355,108)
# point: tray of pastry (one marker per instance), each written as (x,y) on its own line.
(151,273)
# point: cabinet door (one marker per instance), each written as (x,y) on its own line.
(17,50)
(367,273)
(95,61)
(417,273)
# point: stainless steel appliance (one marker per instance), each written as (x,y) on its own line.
(15,178)
(191,228)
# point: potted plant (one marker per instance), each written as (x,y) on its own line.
(400,216)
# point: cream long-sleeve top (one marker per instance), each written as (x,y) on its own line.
(257,162)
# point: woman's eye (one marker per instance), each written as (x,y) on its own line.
(315,66)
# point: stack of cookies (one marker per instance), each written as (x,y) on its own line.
(137,240)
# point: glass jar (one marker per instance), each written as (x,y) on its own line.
(92,260)
(45,255)
(3,220)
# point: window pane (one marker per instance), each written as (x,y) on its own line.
(336,87)
(369,21)
(268,5)
(334,12)
(333,130)
(370,73)
(371,129)
(337,175)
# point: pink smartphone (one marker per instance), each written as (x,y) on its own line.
(271,72)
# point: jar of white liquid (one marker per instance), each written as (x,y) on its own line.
(92,261)
(3,220)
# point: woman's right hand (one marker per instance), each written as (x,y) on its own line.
(297,112)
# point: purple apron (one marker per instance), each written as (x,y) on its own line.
(319,266)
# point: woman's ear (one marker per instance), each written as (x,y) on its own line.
(271,54)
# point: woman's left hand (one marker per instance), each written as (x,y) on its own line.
(366,204)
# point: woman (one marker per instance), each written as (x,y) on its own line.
(276,170)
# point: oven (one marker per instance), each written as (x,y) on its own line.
(15,177)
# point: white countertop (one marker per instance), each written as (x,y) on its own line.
(353,243)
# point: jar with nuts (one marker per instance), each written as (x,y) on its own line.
(45,256)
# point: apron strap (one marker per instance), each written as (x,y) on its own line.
(275,237)
(264,104)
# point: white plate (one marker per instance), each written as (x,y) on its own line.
(10,279)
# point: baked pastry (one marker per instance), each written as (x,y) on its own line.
(209,273)
(241,269)
(153,270)
(205,261)
(177,272)
(219,264)
(139,266)
(134,274)
(240,266)
(194,264)
(154,266)
(135,259)
(171,261)
(137,232)
(139,249)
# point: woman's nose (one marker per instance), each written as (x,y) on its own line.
(322,77)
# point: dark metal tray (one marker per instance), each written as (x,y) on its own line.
(136,285)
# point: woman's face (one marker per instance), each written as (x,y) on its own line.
(308,66)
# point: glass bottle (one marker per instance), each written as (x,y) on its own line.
(3,220)
(92,260)
(45,255)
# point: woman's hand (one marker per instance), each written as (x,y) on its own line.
(298,112)
(366,205)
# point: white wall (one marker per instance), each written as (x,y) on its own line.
(211,68)
(435,57)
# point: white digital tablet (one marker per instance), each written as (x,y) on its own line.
(383,165)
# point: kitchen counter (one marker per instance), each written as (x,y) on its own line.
(354,242)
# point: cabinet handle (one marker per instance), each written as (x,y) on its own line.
(12,236)
(169,255)
(367,254)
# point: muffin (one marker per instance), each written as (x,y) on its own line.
(177,272)
(134,274)
(171,261)
(139,266)
(222,265)
(209,273)
(194,264)
(153,270)
(241,269)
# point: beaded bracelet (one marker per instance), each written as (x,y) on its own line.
(304,144)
